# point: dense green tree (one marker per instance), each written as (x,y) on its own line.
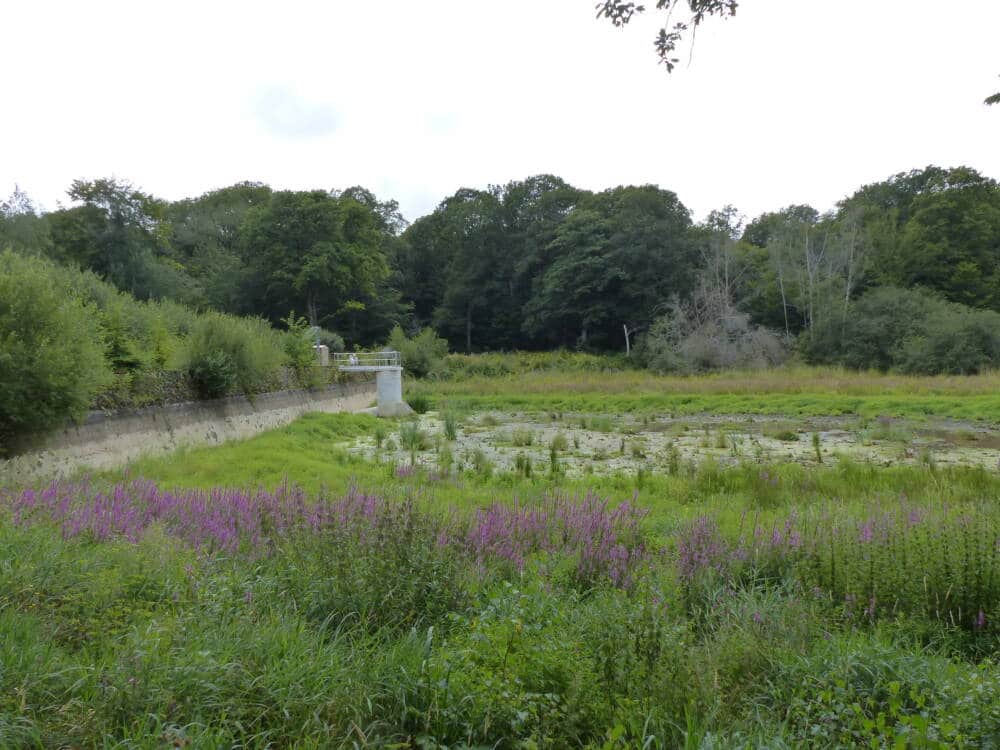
(314,252)
(369,318)
(391,220)
(531,213)
(425,251)
(205,233)
(120,232)
(617,257)
(571,301)
(936,228)
(473,275)
(472,265)
(22,228)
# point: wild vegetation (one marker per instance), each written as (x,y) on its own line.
(72,342)
(293,590)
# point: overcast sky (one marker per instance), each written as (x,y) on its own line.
(792,101)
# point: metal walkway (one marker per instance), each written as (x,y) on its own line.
(367,361)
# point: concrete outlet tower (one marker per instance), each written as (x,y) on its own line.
(388,369)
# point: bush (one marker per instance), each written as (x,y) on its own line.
(52,361)
(332,341)
(225,353)
(423,354)
(909,330)
(298,345)
(676,342)
(959,342)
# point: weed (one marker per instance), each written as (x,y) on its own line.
(413,439)
(522,438)
(784,435)
(673,460)
(445,461)
(450,426)
(601,424)
(522,465)
(481,463)
(419,402)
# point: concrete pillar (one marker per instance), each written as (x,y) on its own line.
(389,382)
(322,354)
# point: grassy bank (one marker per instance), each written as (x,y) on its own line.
(792,391)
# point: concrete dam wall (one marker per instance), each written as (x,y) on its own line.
(104,441)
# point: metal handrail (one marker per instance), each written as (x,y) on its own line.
(367,359)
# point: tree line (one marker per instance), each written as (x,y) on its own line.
(540,264)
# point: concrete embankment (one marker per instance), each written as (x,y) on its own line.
(104,441)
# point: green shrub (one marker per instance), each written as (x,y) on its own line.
(52,361)
(298,346)
(224,353)
(959,342)
(213,374)
(423,354)
(910,330)
(446,460)
(386,572)
(332,341)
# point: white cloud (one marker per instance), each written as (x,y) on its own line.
(287,114)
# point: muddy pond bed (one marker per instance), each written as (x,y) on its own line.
(577,444)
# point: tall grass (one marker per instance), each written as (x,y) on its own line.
(801,391)
(138,616)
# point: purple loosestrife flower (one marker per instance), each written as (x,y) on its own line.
(606,542)
(700,548)
(866,532)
